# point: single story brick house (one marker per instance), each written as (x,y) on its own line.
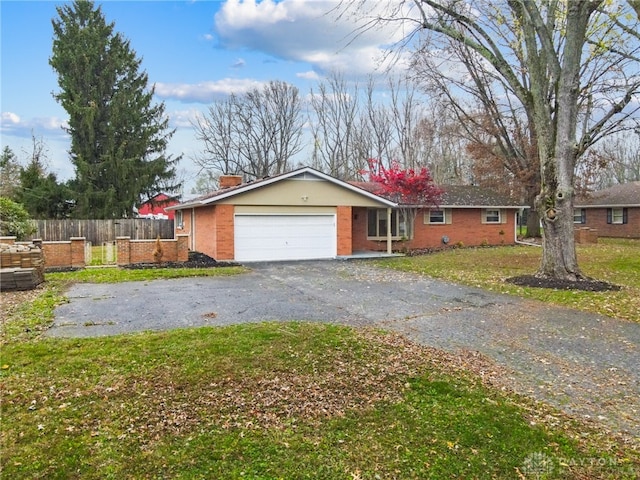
(306,214)
(613,212)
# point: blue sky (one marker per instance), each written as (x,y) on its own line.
(194,52)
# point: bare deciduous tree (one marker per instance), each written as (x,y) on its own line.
(573,68)
(255,134)
(614,160)
(335,127)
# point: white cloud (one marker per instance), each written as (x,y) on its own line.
(309,31)
(309,75)
(183,118)
(10,118)
(205,92)
(12,124)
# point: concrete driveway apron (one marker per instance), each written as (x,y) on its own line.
(585,364)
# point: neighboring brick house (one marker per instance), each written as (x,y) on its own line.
(306,214)
(155,207)
(613,212)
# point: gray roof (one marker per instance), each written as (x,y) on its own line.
(461,196)
(621,195)
(472,196)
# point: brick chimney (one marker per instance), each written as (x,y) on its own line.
(227,181)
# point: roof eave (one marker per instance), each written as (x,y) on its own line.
(469,206)
(608,205)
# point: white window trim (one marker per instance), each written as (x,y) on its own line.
(485,214)
(446,216)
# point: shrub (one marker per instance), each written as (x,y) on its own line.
(14,219)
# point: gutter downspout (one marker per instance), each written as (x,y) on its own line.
(389,230)
(193,229)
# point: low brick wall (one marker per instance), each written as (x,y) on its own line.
(70,253)
(585,235)
(142,251)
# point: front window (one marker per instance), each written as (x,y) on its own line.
(617,216)
(377,224)
(437,216)
(492,215)
(179,222)
(579,215)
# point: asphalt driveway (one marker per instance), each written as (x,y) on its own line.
(585,364)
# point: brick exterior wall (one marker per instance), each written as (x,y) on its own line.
(466,228)
(225,241)
(345,230)
(597,220)
(205,230)
(186,227)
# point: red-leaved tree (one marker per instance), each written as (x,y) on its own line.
(411,189)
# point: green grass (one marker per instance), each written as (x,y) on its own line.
(613,260)
(114,275)
(269,401)
(99,255)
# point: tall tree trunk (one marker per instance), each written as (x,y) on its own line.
(533,215)
(559,152)
(559,259)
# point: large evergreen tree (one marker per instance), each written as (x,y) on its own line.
(118,134)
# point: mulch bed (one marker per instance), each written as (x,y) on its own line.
(586,285)
(196,260)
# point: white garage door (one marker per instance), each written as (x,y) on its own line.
(284,237)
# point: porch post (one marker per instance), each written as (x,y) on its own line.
(389,230)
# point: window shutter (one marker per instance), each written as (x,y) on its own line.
(483,215)
(583,216)
(503,216)
(609,215)
(447,216)
(625,215)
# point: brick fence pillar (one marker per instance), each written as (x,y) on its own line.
(182,247)
(77,251)
(8,240)
(124,250)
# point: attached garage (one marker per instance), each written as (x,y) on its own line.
(271,237)
(299,215)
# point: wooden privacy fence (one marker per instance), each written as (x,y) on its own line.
(99,231)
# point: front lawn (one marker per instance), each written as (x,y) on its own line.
(273,401)
(613,260)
